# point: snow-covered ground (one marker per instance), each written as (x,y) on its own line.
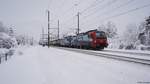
(42,65)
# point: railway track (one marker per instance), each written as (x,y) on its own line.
(128,52)
(119,55)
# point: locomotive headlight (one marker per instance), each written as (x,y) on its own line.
(90,39)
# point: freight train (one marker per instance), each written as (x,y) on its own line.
(92,39)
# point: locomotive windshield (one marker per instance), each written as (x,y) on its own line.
(100,35)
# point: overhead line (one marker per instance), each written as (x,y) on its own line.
(67,11)
(115,9)
(91,6)
(106,5)
(126,12)
(84,10)
(132,10)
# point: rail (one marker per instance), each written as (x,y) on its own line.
(128,52)
(136,58)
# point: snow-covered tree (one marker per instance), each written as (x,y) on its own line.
(111,32)
(130,36)
(142,26)
(110,29)
(11,32)
(7,41)
(102,27)
(144,36)
(25,40)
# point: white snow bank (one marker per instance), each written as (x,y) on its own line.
(21,69)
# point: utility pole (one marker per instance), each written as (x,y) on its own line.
(58,29)
(78,24)
(42,34)
(48,29)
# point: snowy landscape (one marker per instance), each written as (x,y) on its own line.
(75,42)
(37,65)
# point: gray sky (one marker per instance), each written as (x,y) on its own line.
(29,16)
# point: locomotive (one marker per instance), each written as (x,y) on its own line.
(92,39)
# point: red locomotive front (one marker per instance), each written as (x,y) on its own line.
(99,39)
